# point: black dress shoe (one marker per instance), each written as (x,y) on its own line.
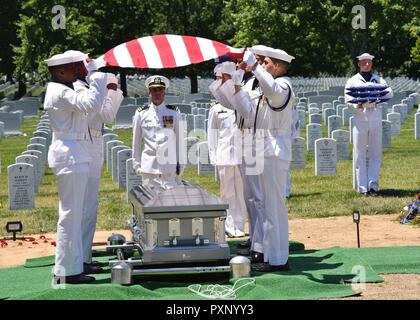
(96,263)
(76,279)
(243,252)
(265,267)
(91,269)
(244,244)
(373,193)
(256,257)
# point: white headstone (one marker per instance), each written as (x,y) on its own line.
(384,109)
(298,153)
(199,122)
(386,134)
(334,123)
(39,147)
(21,186)
(347,112)
(108,137)
(313,132)
(325,157)
(40,140)
(342,138)
(351,124)
(395,119)
(315,118)
(417,126)
(41,165)
(1,130)
(301,117)
(131,179)
(32,160)
(192,153)
(313,111)
(339,109)
(109,146)
(326,113)
(114,161)
(204,167)
(122,157)
(327,105)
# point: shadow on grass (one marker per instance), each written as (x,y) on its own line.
(398,193)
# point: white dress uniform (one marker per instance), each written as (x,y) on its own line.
(223,139)
(273,120)
(367,136)
(162,130)
(69,158)
(106,114)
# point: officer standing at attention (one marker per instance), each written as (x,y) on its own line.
(272,125)
(223,138)
(367,130)
(161,128)
(96,121)
(69,158)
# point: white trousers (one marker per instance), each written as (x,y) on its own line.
(367,143)
(90,204)
(71,185)
(254,205)
(288,184)
(232,192)
(276,224)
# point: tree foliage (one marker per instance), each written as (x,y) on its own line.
(319,34)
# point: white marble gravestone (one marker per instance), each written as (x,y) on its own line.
(386,134)
(313,132)
(131,179)
(21,186)
(298,153)
(395,119)
(204,167)
(325,157)
(122,157)
(342,138)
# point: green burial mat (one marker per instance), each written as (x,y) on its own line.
(314,274)
(49,260)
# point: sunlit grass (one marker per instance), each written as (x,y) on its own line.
(311,196)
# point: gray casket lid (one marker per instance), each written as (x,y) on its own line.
(184,197)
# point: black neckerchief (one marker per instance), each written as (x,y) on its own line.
(366,75)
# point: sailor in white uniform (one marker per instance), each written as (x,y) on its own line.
(225,153)
(69,158)
(367,130)
(96,121)
(161,128)
(272,112)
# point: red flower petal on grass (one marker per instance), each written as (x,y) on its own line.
(53,243)
(34,242)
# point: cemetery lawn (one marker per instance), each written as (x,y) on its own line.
(311,196)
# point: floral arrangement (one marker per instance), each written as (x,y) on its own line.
(410,211)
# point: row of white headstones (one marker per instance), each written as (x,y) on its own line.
(25,176)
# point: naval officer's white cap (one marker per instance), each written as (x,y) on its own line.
(278,54)
(259,49)
(69,56)
(157,81)
(229,67)
(218,70)
(365,56)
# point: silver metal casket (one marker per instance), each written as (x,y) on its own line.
(180,230)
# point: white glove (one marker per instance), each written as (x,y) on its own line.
(238,76)
(111,78)
(250,58)
(138,171)
(92,66)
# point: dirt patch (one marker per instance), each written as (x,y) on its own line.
(375,231)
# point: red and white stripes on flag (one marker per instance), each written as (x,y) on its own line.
(166,51)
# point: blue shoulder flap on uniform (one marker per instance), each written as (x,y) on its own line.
(142,108)
(169,106)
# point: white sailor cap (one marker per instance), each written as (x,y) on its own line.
(259,49)
(69,56)
(278,54)
(228,67)
(218,70)
(365,56)
(157,81)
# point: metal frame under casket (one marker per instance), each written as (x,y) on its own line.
(178,226)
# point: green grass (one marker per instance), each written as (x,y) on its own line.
(311,196)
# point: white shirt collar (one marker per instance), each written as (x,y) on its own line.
(159,107)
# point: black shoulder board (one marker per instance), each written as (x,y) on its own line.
(145,107)
(175,108)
